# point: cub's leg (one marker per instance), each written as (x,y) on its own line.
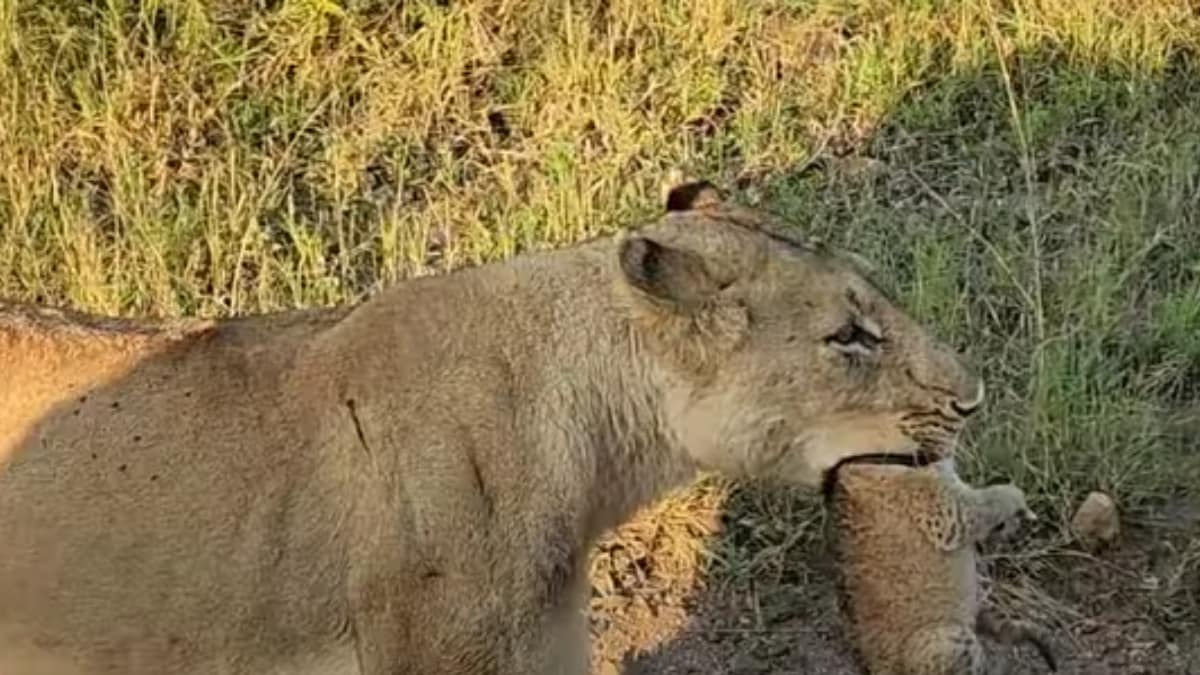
(946,649)
(1014,632)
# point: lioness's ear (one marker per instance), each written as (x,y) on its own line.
(672,276)
(695,195)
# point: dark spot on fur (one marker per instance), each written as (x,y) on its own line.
(345,628)
(122,468)
(431,574)
(187,394)
(83,399)
(115,405)
(93,455)
(951,533)
(792,338)
(137,438)
(488,503)
(153,477)
(362,438)
(75,411)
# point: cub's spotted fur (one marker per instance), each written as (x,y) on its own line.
(905,542)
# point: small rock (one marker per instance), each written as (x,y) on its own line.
(1096,523)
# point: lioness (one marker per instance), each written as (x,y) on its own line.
(412,485)
(909,584)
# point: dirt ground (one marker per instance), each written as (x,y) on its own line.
(1131,610)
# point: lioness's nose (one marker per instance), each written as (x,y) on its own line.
(965,406)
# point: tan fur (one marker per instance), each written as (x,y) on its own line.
(412,485)
(905,540)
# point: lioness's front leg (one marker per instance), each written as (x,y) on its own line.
(441,628)
(437,642)
(409,620)
(565,640)
(560,648)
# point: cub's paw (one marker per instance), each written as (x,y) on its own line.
(948,649)
(1006,508)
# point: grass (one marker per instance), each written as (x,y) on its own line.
(1027,173)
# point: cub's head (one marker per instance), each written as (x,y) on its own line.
(783,360)
(928,496)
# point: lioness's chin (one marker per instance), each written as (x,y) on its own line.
(901,460)
(823,449)
(811,465)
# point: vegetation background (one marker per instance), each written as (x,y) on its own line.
(1027,172)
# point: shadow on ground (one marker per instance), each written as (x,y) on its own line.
(1109,616)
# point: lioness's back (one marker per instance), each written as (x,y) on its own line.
(97,407)
(49,356)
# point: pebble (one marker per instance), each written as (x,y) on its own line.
(1096,522)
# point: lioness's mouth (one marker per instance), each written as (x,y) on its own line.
(916,458)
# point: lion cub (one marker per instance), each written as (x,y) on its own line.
(905,542)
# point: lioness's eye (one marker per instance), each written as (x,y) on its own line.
(853,334)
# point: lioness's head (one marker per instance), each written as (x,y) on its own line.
(783,359)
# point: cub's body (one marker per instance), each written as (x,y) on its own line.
(905,543)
